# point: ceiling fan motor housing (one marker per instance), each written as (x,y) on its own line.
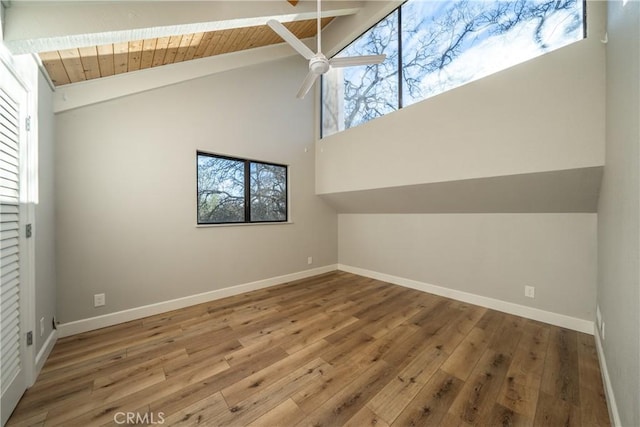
(319,64)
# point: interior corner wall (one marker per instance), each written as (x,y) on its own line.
(618,293)
(488,255)
(44,218)
(126,191)
(541,115)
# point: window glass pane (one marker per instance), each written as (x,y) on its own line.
(220,190)
(445,44)
(268,192)
(448,44)
(355,95)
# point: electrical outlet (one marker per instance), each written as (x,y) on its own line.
(99,300)
(310,260)
(529,291)
(41,326)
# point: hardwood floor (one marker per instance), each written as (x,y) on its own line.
(332,350)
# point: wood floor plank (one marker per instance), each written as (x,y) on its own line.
(588,366)
(284,415)
(269,321)
(173,317)
(192,391)
(323,387)
(57,392)
(593,407)
(429,322)
(203,412)
(279,331)
(257,382)
(375,349)
(505,417)
(382,326)
(506,339)
(248,353)
(431,404)
(108,379)
(491,321)
(366,417)
(455,332)
(177,392)
(122,387)
(335,349)
(57,371)
(560,377)
(348,401)
(201,365)
(479,393)
(249,409)
(36,403)
(520,389)
(35,419)
(390,299)
(303,337)
(552,411)
(398,392)
(466,355)
(95,336)
(346,348)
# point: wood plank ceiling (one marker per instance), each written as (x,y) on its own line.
(87,63)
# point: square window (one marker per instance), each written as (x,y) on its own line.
(232,190)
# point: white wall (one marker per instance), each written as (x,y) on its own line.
(619,213)
(542,115)
(490,255)
(126,187)
(44,224)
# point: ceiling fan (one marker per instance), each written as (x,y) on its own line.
(318,62)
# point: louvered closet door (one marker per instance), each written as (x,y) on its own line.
(12,104)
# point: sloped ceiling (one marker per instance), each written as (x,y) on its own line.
(571,190)
(92,62)
(85,40)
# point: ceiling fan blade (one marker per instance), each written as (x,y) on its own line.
(350,61)
(290,38)
(308,82)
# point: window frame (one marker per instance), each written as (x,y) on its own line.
(400,68)
(322,77)
(247,190)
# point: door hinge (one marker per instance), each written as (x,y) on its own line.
(29,230)
(27,123)
(30,338)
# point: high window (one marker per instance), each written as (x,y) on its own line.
(435,46)
(232,190)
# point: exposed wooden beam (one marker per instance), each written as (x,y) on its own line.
(46,26)
(99,90)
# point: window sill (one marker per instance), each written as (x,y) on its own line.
(242,224)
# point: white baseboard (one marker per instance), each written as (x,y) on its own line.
(614,416)
(44,352)
(84,325)
(561,320)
